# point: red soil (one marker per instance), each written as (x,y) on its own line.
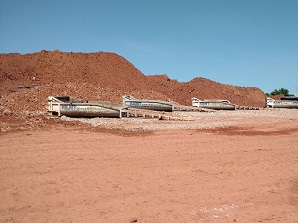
(27,80)
(107,76)
(59,171)
(227,175)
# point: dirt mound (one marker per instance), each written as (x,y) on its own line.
(27,80)
(203,88)
(276,97)
(206,89)
(109,72)
(106,69)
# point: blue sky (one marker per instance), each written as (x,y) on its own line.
(239,42)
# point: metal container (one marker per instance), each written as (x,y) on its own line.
(147,104)
(271,103)
(213,104)
(64,105)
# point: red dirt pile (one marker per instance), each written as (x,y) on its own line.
(203,88)
(66,72)
(27,80)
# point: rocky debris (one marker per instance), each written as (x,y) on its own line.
(201,120)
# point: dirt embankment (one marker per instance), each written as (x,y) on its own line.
(203,88)
(107,76)
(27,80)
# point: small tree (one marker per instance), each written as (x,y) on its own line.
(283,91)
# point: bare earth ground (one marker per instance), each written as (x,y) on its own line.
(239,166)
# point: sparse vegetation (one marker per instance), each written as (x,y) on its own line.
(282,91)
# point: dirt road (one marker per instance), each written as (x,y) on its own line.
(239,173)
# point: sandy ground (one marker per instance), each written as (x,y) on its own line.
(237,166)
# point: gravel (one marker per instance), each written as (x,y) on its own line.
(201,120)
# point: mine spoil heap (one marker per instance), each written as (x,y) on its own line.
(27,80)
